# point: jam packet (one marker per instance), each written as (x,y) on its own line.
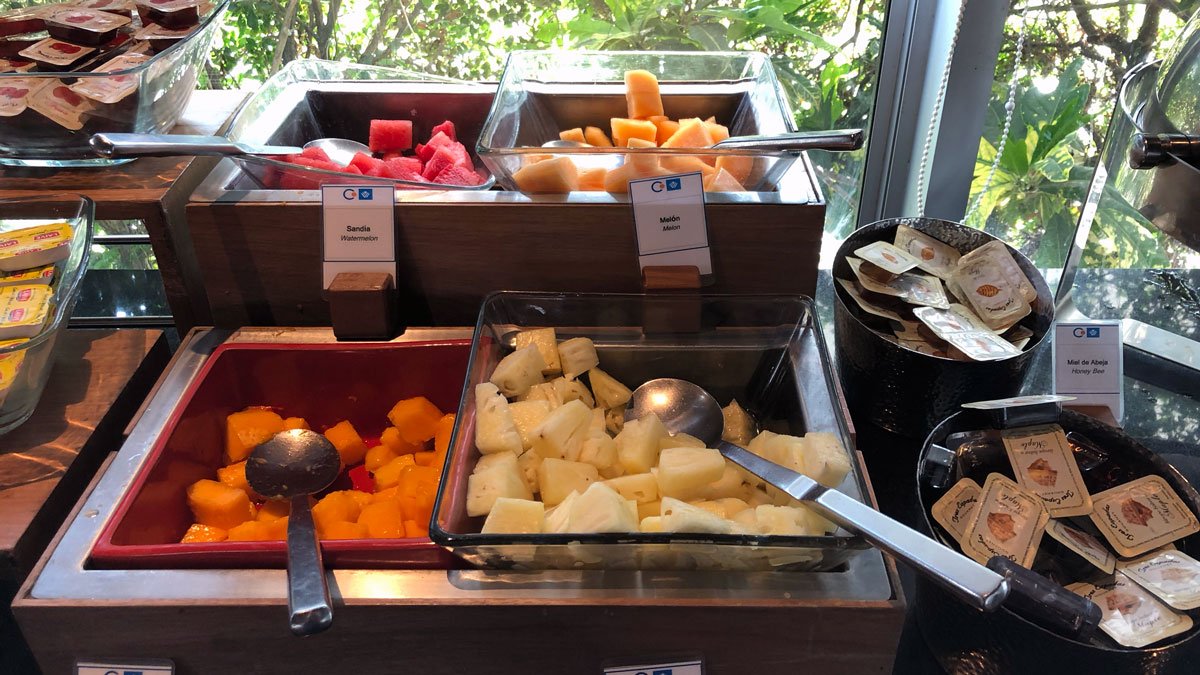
(865,305)
(57,102)
(15,93)
(169,13)
(14,66)
(1142,515)
(122,7)
(112,89)
(1083,545)
(993,296)
(160,38)
(1131,615)
(956,509)
(88,27)
(23,310)
(37,275)
(887,256)
(1008,522)
(34,246)
(934,256)
(53,54)
(1045,466)
(1171,575)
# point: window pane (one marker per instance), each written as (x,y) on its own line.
(122,282)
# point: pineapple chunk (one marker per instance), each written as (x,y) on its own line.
(519,371)
(640,487)
(573,390)
(755,496)
(739,426)
(730,484)
(683,473)
(727,507)
(651,524)
(515,516)
(680,440)
(527,415)
(601,509)
(547,343)
(614,419)
(558,519)
(648,509)
(542,392)
(747,519)
(637,444)
(485,487)
(528,463)
(825,460)
(597,427)
(495,430)
(578,355)
(609,392)
(563,431)
(792,521)
(558,478)
(601,452)
(491,461)
(680,516)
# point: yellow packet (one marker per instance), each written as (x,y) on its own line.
(37,275)
(34,246)
(23,310)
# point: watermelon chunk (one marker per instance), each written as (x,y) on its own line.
(404,168)
(426,151)
(447,128)
(450,154)
(378,171)
(390,135)
(315,163)
(350,168)
(316,153)
(458,175)
(391,155)
(365,162)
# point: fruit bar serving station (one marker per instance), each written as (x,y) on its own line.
(496,484)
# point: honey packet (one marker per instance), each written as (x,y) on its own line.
(865,305)
(1173,576)
(1131,615)
(23,310)
(887,256)
(933,255)
(1044,465)
(960,330)
(1083,545)
(35,246)
(955,510)
(917,289)
(1008,522)
(1000,255)
(993,296)
(1142,515)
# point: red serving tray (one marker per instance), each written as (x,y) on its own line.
(324,384)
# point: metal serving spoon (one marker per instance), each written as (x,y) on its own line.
(293,465)
(340,150)
(838,140)
(687,408)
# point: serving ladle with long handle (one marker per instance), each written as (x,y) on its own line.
(685,407)
(339,150)
(837,140)
(294,465)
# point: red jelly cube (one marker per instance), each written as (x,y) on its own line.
(447,128)
(390,135)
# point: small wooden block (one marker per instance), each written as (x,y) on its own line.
(362,306)
(672,299)
(1100,412)
(671,278)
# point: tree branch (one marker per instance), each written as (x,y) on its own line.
(285,34)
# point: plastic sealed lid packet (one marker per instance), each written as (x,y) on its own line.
(1082,545)
(887,256)
(35,246)
(53,54)
(161,37)
(36,275)
(934,256)
(1044,465)
(85,26)
(1131,615)
(169,13)
(955,510)
(889,287)
(1142,515)
(23,310)
(111,89)
(18,21)
(16,65)
(15,93)
(995,298)
(122,7)
(962,332)
(1171,575)
(58,103)
(999,254)
(865,305)
(1008,522)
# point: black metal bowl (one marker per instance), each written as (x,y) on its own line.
(970,642)
(907,392)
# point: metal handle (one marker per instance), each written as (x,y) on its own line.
(308,592)
(170,145)
(837,140)
(968,580)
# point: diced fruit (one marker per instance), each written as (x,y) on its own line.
(543,392)
(416,418)
(426,152)
(295,423)
(403,168)
(335,507)
(391,438)
(495,429)
(578,355)
(198,533)
(450,154)
(739,426)
(219,505)
(730,484)
(558,519)
(726,507)
(315,163)
(614,419)
(417,491)
(722,181)
(527,416)
(447,128)
(575,134)
(317,153)
(592,180)
(680,440)
(637,444)
(391,135)
(624,129)
(563,431)
(274,509)
(528,463)
(719,132)
(558,478)
(383,520)
(485,487)
(251,531)
(596,136)
(365,162)
(684,473)
(600,451)
(664,129)
(515,516)
(651,524)
(825,460)
(486,462)
(344,530)
(349,444)
(413,529)
(789,521)
(649,508)
(617,180)
(738,166)
(747,519)
(424,458)
(441,439)
(692,134)
(388,475)
(553,176)
(572,390)
(640,487)
(679,516)
(686,164)
(234,476)
(601,509)
(642,162)
(245,430)
(378,456)
(547,344)
(642,97)
(519,371)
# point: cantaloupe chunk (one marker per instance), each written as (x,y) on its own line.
(198,533)
(596,137)
(344,530)
(617,180)
(234,476)
(218,505)
(378,456)
(416,418)
(666,128)
(575,134)
(553,176)
(349,444)
(391,438)
(592,179)
(245,430)
(719,132)
(274,509)
(641,95)
(738,166)
(692,134)
(335,507)
(526,160)
(624,129)
(642,162)
(251,531)
(685,164)
(383,520)
(721,181)
(295,423)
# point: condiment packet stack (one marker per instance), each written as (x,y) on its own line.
(935,300)
(1131,615)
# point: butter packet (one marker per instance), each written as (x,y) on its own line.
(1171,575)
(23,310)
(34,246)
(866,305)
(1000,255)
(1131,615)
(955,510)
(1142,515)
(1008,522)
(37,275)
(1044,465)
(994,297)
(1082,544)
(887,256)
(934,256)
(12,357)
(980,346)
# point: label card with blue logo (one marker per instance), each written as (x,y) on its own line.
(359,230)
(147,667)
(1089,363)
(689,667)
(668,217)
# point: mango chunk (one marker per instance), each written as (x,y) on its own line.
(416,418)
(642,97)
(377,457)
(383,520)
(252,531)
(247,429)
(335,507)
(554,176)
(218,505)
(234,476)
(592,179)
(295,423)
(441,440)
(388,475)
(415,530)
(642,162)
(344,530)
(596,136)
(273,509)
(391,438)
(575,134)
(692,133)
(349,444)
(721,181)
(197,534)
(624,129)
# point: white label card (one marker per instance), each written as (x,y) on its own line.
(359,230)
(1089,363)
(156,667)
(678,668)
(668,218)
